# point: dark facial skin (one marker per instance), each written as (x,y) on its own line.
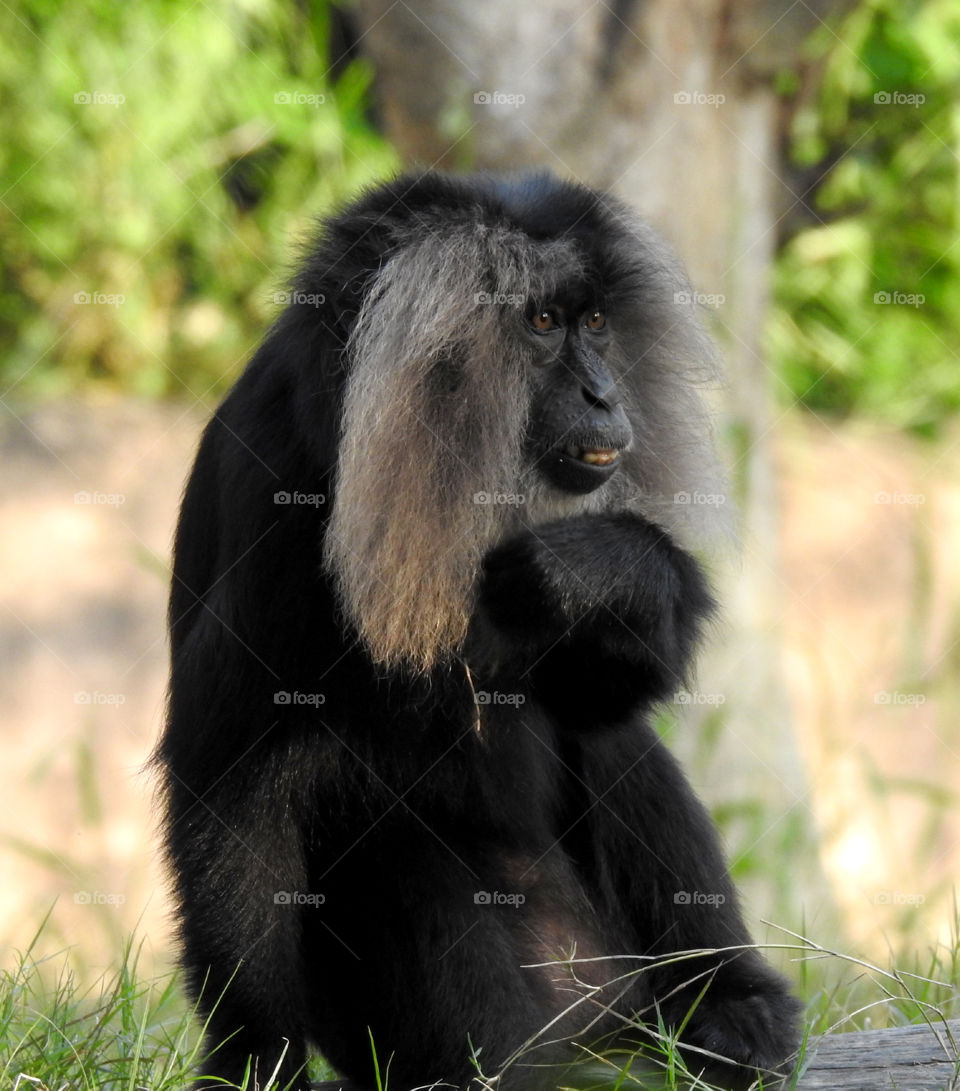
(578,426)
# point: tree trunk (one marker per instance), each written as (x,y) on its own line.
(670,104)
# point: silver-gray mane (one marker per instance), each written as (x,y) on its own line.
(431,468)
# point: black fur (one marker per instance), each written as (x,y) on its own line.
(387,799)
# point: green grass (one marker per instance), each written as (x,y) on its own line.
(124,1031)
(118,1032)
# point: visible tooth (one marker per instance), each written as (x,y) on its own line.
(573,451)
(599,458)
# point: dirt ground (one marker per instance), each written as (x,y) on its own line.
(871,562)
(871,620)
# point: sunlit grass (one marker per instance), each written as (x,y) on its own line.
(124,1031)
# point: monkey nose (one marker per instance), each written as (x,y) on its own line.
(601,396)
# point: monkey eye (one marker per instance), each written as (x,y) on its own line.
(545,320)
(595,320)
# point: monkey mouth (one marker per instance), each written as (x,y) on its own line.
(593,456)
(586,462)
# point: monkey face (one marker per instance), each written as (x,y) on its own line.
(578,427)
(532,340)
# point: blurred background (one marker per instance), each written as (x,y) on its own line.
(162,166)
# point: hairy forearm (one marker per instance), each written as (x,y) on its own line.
(611,598)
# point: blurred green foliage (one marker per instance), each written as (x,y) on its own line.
(867,301)
(167,155)
(144,232)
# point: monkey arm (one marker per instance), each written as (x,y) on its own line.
(603,611)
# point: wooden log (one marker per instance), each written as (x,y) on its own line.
(914,1058)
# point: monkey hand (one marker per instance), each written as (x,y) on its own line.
(755,1032)
(592,575)
(597,591)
